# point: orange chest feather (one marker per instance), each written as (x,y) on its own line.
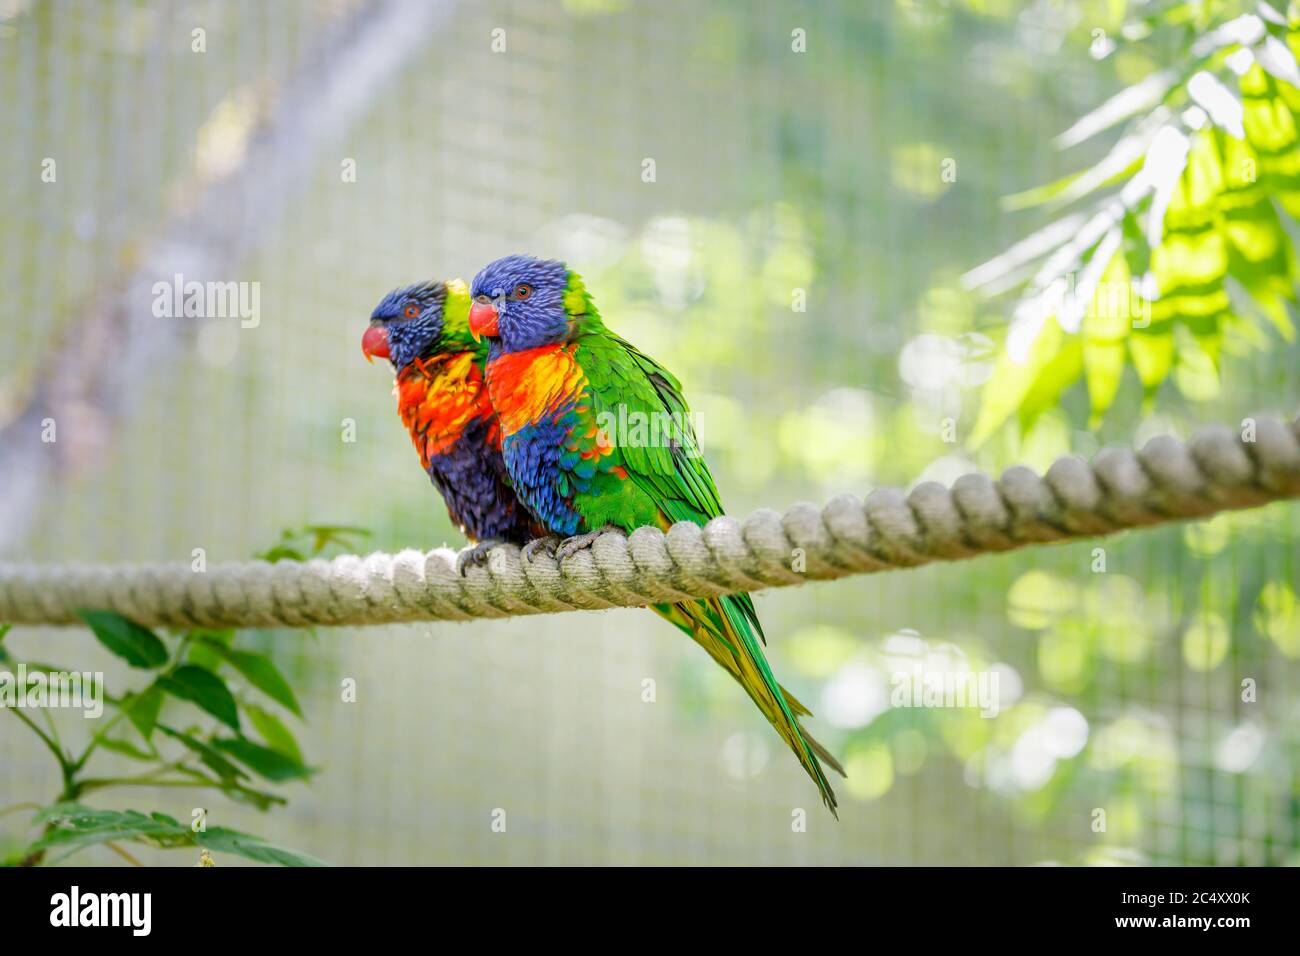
(438,397)
(532,385)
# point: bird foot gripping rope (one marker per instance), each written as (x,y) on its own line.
(1218,470)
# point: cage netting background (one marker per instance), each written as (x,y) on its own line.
(772,171)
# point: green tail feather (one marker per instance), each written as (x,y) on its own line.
(722,627)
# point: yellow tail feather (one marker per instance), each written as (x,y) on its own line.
(707,624)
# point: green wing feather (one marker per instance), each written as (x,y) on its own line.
(668,481)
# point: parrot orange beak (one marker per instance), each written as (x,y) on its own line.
(482,320)
(374,343)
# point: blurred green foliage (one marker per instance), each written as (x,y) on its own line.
(144,729)
(1181,247)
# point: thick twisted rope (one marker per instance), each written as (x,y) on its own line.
(1167,480)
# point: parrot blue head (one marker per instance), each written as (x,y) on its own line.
(407,323)
(521,302)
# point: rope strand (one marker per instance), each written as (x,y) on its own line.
(1120,489)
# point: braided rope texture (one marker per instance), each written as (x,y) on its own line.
(1167,480)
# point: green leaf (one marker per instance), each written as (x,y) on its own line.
(73,827)
(137,645)
(323,535)
(142,709)
(1152,349)
(262,674)
(293,543)
(1115,169)
(263,761)
(281,553)
(261,799)
(4,629)
(1191,261)
(1103,371)
(205,647)
(1026,388)
(1260,255)
(224,636)
(1062,371)
(205,689)
(1270,126)
(218,764)
(273,731)
(126,749)
(223,840)
(1221,223)
(1106,325)
(205,656)
(1137,98)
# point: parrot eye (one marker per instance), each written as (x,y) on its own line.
(411,311)
(523,290)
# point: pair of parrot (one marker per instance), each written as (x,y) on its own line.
(501,385)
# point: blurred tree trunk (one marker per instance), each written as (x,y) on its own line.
(88,382)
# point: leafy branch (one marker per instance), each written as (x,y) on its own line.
(1175,247)
(241,746)
(301,543)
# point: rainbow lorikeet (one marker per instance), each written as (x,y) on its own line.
(442,399)
(558,378)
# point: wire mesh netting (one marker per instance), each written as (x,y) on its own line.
(703,173)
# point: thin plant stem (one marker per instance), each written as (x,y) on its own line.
(122,853)
(49,742)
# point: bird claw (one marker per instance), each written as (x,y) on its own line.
(476,556)
(546,544)
(579,542)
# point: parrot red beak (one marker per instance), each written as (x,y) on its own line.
(374,344)
(482,320)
